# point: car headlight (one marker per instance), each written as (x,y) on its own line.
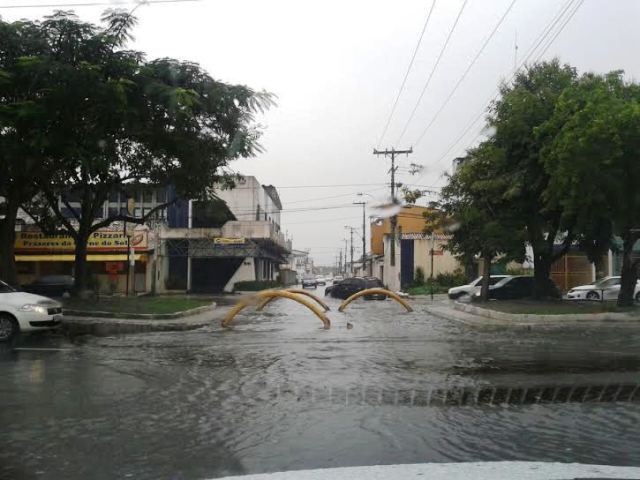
(29,307)
(571,291)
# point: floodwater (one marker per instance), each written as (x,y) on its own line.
(277,392)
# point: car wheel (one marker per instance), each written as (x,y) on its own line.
(593,296)
(8,327)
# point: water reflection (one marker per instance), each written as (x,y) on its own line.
(277,393)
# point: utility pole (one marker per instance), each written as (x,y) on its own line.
(364,241)
(340,263)
(394,220)
(345,256)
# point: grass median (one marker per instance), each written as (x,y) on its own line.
(559,307)
(148,305)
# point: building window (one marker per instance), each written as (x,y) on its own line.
(161,195)
(147,196)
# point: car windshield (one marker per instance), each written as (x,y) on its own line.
(607,282)
(195,195)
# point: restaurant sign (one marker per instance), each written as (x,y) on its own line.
(100,241)
(229,241)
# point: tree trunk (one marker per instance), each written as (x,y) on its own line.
(80,265)
(541,272)
(8,271)
(486,274)
(600,265)
(470,271)
(629,273)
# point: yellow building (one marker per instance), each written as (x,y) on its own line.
(410,220)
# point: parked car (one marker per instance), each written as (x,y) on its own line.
(320,280)
(349,286)
(606,288)
(519,286)
(471,288)
(309,281)
(25,312)
(51,285)
(337,278)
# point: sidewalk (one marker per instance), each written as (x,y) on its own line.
(111,326)
(479,317)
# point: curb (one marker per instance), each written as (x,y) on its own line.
(530,318)
(112,326)
(140,316)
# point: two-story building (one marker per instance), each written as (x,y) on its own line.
(210,246)
(200,246)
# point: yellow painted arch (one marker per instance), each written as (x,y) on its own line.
(301,291)
(372,291)
(273,294)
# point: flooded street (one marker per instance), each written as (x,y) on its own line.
(277,392)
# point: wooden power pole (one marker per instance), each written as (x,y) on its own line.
(394,219)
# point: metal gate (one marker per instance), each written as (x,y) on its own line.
(406,262)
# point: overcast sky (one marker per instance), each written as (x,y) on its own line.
(337,66)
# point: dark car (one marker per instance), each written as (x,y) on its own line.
(349,286)
(51,285)
(516,287)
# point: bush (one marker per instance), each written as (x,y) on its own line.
(453,279)
(256,285)
(419,277)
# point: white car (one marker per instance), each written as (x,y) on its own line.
(26,312)
(473,287)
(606,288)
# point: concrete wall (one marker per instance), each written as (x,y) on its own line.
(391,274)
(445,263)
(249,199)
(246,272)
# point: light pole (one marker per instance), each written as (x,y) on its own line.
(364,241)
(364,232)
(351,229)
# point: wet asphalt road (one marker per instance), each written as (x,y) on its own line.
(277,392)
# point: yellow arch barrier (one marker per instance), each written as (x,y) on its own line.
(371,291)
(301,291)
(273,294)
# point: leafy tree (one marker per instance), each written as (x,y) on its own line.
(476,212)
(520,118)
(23,128)
(594,167)
(120,120)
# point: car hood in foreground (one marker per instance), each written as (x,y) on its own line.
(21,298)
(456,471)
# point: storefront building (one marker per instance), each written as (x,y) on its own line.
(38,255)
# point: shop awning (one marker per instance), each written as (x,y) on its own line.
(71,258)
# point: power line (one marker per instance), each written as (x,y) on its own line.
(460,80)
(93,4)
(543,35)
(560,29)
(333,185)
(433,70)
(333,196)
(406,75)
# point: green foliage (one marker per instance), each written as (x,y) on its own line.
(82,114)
(518,271)
(453,279)
(418,279)
(593,161)
(524,110)
(256,285)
